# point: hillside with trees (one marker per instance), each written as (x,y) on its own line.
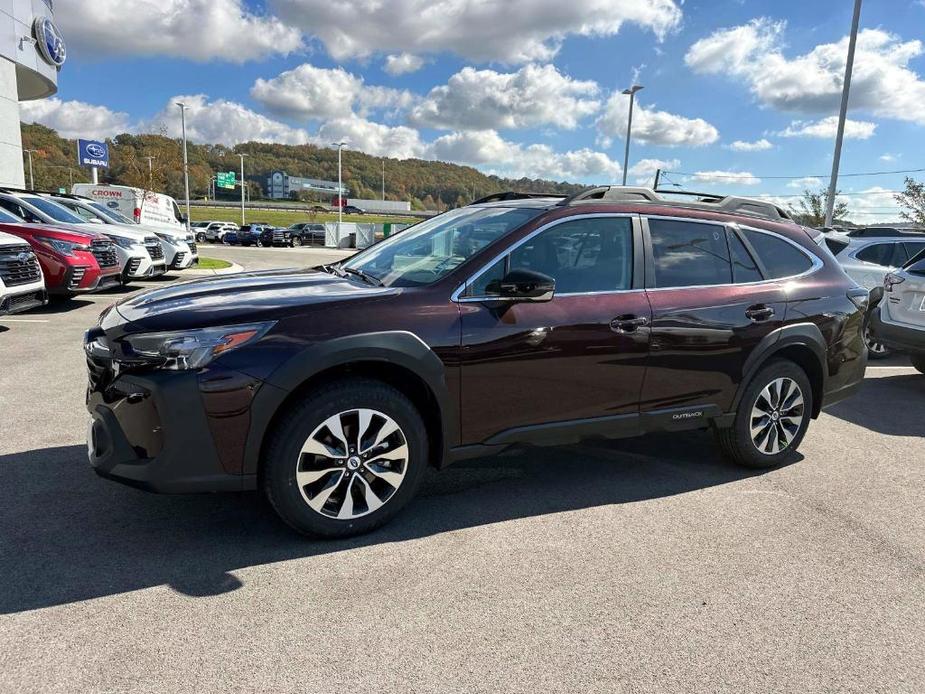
(154,161)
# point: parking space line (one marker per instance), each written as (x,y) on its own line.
(24,320)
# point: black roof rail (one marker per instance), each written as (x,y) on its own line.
(883,232)
(12,189)
(514,195)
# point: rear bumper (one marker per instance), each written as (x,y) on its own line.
(897,337)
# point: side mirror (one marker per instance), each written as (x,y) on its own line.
(524,285)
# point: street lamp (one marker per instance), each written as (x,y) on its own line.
(631,92)
(185,161)
(31,174)
(242,188)
(340,187)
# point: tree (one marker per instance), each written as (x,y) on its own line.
(810,209)
(912,200)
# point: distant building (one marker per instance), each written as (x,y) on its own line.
(282,186)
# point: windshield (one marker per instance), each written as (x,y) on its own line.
(54,210)
(430,250)
(114,215)
(9,217)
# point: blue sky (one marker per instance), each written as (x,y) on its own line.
(524,87)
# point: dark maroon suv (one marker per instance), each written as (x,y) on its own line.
(516,320)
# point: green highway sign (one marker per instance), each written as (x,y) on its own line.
(225,179)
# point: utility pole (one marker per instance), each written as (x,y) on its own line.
(383,178)
(185,161)
(31,174)
(242,188)
(629,127)
(842,114)
(340,187)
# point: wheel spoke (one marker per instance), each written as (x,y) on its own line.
(373,502)
(388,428)
(318,501)
(346,508)
(305,477)
(390,477)
(762,424)
(315,447)
(336,428)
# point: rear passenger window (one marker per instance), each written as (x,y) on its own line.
(881,254)
(687,254)
(744,268)
(913,249)
(780,258)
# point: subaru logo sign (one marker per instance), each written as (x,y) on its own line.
(92,153)
(96,150)
(49,42)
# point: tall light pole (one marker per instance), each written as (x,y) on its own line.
(340,187)
(185,161)
(242,188)
(631,92)
(843,112)
(383,178)
(31,174)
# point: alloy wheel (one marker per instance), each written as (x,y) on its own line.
(776,416)
(352,464)
(874,346)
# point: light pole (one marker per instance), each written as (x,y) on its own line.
(185,161)
(242,188)
(340,187)
(840,133)
(31,174)
(631,92)
(383,178)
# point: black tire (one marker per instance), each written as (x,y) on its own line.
(282,453)
(200,237)
(918,361)
(259,243)
(875,348)
(296,241)
(736,441)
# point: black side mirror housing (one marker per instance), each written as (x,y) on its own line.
(524,285)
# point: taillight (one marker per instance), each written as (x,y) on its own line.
(891,281)
(137,215)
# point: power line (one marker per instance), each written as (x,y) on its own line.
(746,175)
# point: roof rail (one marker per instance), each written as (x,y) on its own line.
(883,232)
(731,204)
(514,195)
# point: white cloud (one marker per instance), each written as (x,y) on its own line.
(727,178)
(509,32)
(310,92)
(882,82)
(194,29)
(403,63)
(373,138)
(73,119)
(871,205)
(807,182)
(221,121)
(644,169)
(827,127)
(887,157)
(484,99)
(651,126)
(756,146)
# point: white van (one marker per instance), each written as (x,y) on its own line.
(149,209)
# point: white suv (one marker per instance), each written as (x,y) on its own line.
(899,319)
(22,285)
(215,231)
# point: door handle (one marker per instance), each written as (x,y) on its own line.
(628,324)
(759,312)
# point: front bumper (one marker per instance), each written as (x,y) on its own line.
(16,300)
(898,337)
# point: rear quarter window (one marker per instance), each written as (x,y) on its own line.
(779,257)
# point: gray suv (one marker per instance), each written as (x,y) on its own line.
(898,320)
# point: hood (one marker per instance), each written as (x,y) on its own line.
(239,298)
(67,232)
(10,240)
(124,230)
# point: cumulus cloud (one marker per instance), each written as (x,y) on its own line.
(484,99)
(756,146)
(309,92)
(827,127)
(73,119)
(807,182)
(871,205)
(514,31)
(882,82)
(644,169)
(403,63)
(194,29)
(221,121)
(373,138)
(743,178)
(651,126)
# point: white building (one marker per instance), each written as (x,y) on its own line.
(31,54)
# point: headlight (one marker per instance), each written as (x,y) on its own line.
(165,237)
(124,242)
(192,349)
(63,247)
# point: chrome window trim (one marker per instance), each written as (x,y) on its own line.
(455,296)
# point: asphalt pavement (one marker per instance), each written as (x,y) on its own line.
(647,565)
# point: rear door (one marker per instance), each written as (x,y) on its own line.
(712,305)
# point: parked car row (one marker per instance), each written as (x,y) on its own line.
(260,234)
(61,244)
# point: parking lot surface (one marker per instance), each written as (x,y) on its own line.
(628,566)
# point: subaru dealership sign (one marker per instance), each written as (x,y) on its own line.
(48,41)
(92,153)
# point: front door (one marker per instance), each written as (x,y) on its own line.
(580,355)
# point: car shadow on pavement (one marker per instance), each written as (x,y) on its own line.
(891,405)
(58,305)
(67,535)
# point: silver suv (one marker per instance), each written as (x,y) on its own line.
(898,321)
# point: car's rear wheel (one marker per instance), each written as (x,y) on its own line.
(200,237)
(875,348)
(918,361)
(259,243)
(346,459)
(772,419)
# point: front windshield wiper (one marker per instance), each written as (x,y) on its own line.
(366,277)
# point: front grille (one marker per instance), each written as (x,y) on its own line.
(132,267)
(178,259)
(77,275)
(105,253)
(18,265)
(155,250)
(192,247)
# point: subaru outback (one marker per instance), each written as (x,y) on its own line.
(518,320)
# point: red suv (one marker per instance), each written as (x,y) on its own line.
(516,320)
(73,262)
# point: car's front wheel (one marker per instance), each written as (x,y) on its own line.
(772,418)
(346,459)
(296,241)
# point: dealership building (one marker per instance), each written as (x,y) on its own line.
(282,186)
(31,54)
